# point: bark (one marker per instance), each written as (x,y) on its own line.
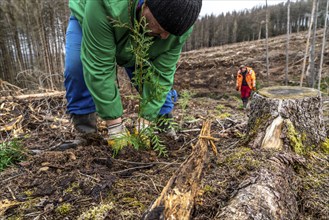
(279,125)
(266,196)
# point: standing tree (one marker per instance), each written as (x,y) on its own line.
(308,42)
(287,43)
(267,62)
(323,44)
(311,67)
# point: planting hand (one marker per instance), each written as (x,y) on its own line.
(141,130)
(117,136)
(141,125)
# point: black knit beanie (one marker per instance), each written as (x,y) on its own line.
(175,16)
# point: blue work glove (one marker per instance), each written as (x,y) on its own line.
(174,95)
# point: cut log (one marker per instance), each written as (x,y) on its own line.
(176,200)
(269,195)
(285,121)
(33,96)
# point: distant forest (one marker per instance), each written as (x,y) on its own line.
(249,25)
(32,35)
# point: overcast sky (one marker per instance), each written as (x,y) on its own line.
(218,6)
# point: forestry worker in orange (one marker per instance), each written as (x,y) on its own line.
(245,83)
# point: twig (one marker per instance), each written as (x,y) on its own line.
(10,178)
(85,175)
(140,163)
(234,121)
(190,130)
(33,214)
(169,164)
(188,143)
(218,121)
(193,121)
(231,146)
(214,148)
(133,168)
(11,192)
(155,187)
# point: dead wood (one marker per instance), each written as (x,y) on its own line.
(176,200)
(33,96)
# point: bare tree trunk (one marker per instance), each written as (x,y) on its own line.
(311,73)
(287,44)
(323,45)
(308,42)
(267,61)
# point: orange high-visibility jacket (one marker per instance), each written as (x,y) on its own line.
(250,78)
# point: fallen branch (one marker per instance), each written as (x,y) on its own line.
(176,200)
(32,96)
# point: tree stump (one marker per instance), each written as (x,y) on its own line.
(285,122)
(286,117)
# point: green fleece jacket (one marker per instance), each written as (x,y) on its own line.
(104,46)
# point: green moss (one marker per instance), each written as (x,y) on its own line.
(236,98)
(252,163)
(240,106)
(208,188)
(224,115)
(28,193)
(220,107)
(296,140)
(64,209)
(238,155)
(189,118)
(30,203)
(133,202)
(73,187)
(325,146)
(239,134)
(259,122)
(97,212)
